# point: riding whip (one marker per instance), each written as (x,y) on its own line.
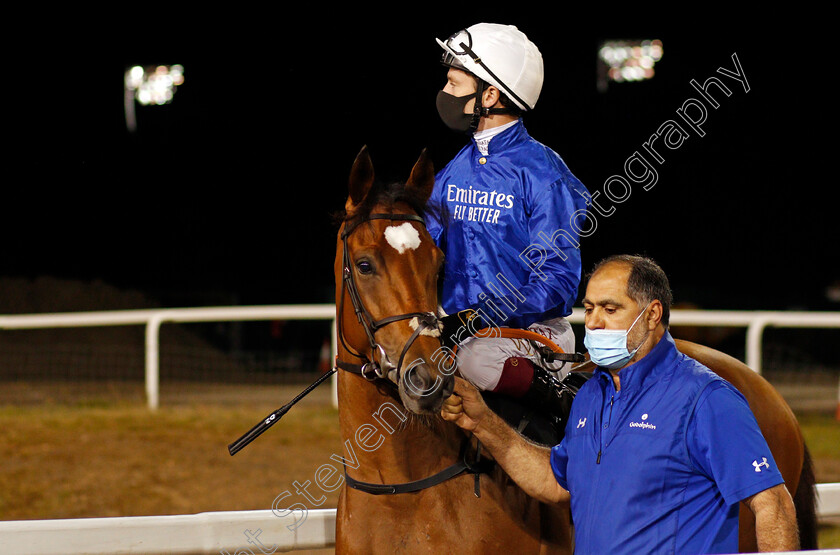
(274,417)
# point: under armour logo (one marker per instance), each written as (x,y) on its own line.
(763,463)
(581,423)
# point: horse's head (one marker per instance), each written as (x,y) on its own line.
(386,270)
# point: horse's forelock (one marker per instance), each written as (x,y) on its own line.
(385,197)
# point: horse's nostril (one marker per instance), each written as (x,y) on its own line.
(419,381)
(448,386)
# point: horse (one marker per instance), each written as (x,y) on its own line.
(413,482)
(425,488)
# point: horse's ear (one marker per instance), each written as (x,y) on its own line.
(422,178)
(361,179)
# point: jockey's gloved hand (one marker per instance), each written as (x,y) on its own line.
(461,325)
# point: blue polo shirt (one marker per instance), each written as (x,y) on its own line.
(660,466)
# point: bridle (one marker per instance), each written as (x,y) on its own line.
(372,368)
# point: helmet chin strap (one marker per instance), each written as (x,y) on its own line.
(479,111)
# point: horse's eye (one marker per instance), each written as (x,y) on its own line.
(364,267)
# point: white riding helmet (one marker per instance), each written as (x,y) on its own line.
(500,55)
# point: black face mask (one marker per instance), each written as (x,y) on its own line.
(451,110)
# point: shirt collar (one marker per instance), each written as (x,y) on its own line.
(648,368)
(481,139)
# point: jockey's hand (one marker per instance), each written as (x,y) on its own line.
(455,328)
(465,407)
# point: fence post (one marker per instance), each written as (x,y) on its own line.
(153,360)
(755,333)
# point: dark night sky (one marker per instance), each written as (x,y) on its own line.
(229,189)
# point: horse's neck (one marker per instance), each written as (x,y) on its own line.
(390,444)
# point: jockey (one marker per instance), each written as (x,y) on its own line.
(502,212)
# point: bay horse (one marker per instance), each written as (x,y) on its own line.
(422,488)
(413,482)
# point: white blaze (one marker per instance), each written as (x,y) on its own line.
(434,331)
(402,237)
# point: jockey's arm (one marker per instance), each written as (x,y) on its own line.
(527,463)
(775,519)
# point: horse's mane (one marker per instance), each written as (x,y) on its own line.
(386,195)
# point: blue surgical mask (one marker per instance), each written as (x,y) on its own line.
(608,348)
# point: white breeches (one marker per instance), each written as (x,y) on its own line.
(481,360)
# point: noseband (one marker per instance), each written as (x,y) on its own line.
(372,368)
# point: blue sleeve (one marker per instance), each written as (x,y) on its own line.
(725,443)
(559,459)
(553,255)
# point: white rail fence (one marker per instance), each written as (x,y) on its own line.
(244,532)
(223,533)
(154,319)
(755,323)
